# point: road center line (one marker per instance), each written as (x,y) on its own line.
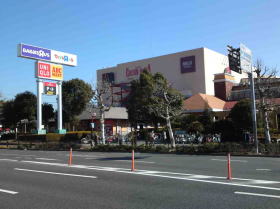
(63,174)
(8,191)
(136,161)
(224,160)
(256,194)
(263,169)
(45,158)
(9,160)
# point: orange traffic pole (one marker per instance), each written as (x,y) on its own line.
(229,177)
(70,157)
(132,161)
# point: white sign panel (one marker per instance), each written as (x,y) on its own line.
(63,58)
(39,53)
(245,58)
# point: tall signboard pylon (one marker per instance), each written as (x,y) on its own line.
(247,66)
(48,71)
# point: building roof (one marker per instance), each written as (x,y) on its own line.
(114,113)
(229,105)
(201,102)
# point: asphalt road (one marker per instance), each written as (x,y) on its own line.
(43,179)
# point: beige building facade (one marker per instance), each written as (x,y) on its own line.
(191,72)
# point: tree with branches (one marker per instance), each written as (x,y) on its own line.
(266,87)
(101,101)
(166,102)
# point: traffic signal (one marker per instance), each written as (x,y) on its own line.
(234,59)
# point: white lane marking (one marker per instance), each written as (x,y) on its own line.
(263,169)
(256,194)
(41,158)
(19,155)
(91,158)
(223,160)
(136,161)
(75,155)
(141,161)
(261,182)
(9,160)
(183,176)
(8,191)
(63,174)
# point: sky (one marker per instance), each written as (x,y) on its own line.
(106,33)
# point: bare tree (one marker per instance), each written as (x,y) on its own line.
(167,103)
(102,101)
(267,87)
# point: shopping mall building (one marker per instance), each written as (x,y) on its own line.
(191,72)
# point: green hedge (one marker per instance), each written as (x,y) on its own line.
(32,137)
(207,148)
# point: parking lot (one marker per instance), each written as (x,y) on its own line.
(43,179)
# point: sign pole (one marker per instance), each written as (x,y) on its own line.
(253,107)
(59,107)
(39,105)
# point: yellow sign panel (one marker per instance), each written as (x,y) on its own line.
(49,71)
(56,72)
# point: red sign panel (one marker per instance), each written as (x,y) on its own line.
(49,71)
(44,70)
(50,84)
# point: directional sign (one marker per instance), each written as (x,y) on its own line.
(245,59)
(49,88)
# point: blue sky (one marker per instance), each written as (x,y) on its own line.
(105,33)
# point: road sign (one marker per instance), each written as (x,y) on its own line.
(245,59)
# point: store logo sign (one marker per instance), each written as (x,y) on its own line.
(64,58)
(49,71)
(136,71)
(187,64)
(35,52)
(39,53)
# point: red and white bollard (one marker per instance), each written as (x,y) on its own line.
(229,177)
(70,157)
(132,161)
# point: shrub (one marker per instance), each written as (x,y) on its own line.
(208,148)
(54,137)
(161,149)
(32,137)
(70,137)
(8,136)
(272,148)
(188,149)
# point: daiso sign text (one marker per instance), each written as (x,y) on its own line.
(48,71)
